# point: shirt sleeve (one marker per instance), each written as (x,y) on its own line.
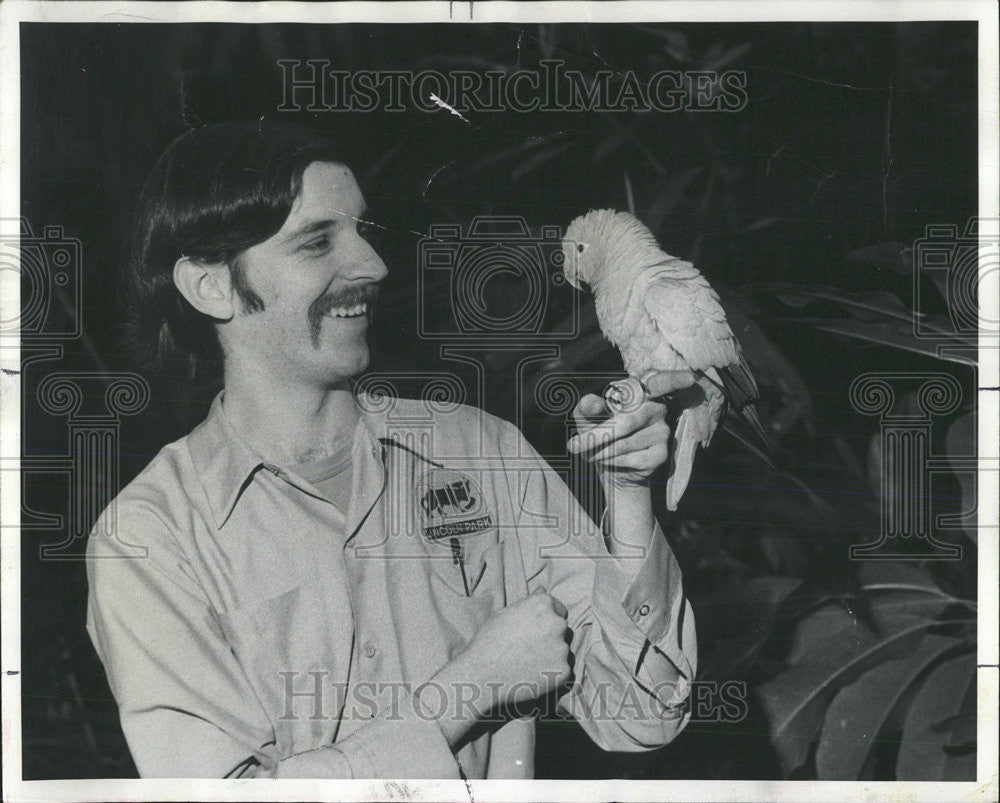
(634,642)
(186,707)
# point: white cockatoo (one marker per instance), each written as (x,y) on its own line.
(663,316)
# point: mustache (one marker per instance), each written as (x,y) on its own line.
(347,297)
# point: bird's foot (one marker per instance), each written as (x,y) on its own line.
(659,384)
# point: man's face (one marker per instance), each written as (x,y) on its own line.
(316,278)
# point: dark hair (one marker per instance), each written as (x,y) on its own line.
(216,191)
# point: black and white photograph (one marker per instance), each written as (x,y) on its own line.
(499,401)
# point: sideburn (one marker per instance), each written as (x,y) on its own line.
(248,298)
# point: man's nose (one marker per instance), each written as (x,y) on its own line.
(372,269)
(367,264)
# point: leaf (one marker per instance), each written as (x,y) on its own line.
(744,619)
(849,458)
(922,755)
(537,161)
(761,223)
(877,317)
(890,333)
(612,143)
(961,749)
(829,648)
(892,576)
(961,443)
(772,369)
(858,712)
(878,302)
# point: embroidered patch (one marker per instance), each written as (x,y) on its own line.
(452,505)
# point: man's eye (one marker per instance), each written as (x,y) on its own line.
(318,245)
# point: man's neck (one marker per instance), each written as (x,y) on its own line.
(287,422)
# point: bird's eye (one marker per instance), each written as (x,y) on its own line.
(580,247)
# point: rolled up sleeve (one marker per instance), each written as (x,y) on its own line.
(653,602)
(376,750)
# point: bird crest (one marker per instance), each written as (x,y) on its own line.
(605,242)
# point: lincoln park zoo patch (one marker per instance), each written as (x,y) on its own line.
(451,505)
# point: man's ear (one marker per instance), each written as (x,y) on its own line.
(207,287)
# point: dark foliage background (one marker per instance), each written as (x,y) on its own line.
(855,137)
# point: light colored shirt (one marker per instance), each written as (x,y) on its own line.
(249,627)
(331,476)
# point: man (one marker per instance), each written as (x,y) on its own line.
(325,592)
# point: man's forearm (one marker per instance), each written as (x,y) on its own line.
(458,715)
(628,523)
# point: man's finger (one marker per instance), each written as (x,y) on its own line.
(590,408)
(638,441)
(642,459)
(615,428)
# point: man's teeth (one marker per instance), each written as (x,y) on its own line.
(349,312)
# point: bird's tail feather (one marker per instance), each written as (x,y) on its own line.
(741,393)
(685,444)
(741,387)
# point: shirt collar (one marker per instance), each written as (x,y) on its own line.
(224,462)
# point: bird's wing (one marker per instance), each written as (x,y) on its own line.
(691,322)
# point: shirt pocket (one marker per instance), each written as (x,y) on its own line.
(288,647)
(465,564)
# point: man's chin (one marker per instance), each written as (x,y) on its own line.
(347,369)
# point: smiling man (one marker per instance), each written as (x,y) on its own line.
(321,595)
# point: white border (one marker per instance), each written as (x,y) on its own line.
(985,11)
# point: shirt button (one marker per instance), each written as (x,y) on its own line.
(644,610)
(370,650)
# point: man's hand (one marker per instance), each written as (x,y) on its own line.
(519,654)
(626,447)
(523,649)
